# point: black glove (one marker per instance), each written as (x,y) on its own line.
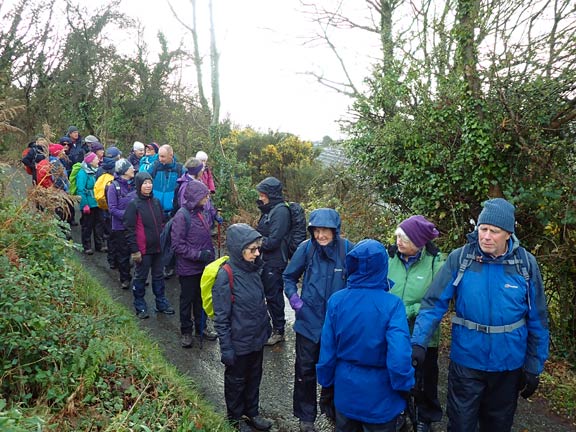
(528,384)
(228,358)
(418,355)
(326,402)
(205,256)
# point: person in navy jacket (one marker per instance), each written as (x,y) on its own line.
(321,264)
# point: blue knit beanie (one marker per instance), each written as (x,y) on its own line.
(498,212)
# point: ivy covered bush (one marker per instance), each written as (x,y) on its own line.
(70,359)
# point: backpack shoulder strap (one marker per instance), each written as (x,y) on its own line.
(467,257)
(228,270)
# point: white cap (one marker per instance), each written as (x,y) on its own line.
(138,145)
(202,156)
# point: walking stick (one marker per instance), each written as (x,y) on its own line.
(219,240)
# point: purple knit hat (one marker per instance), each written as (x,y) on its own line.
(419,230)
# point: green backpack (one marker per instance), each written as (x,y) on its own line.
(208,279)
(73,174)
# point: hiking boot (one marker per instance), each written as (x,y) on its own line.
(103,249)
(125,285)
(88,251)
(242,426)
(209,334)
(166,310)
(168,273)
(187,340)
(307,426)
(142,314)
(259,422)
(275,338)
(423,427)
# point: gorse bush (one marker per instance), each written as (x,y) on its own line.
(70,359)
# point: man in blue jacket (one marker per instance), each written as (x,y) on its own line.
(500,331)
(321,262)
(165,171)
(365,349)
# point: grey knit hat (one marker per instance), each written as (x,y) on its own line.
(122,165)
(498,212)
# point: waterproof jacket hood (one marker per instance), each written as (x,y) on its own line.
(194,192)
(367,266)
(139,181)
(238,236)
(325,218)
(272,187)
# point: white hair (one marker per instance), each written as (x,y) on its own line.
(202,156)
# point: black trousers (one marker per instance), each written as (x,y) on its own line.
(274,291)
(118,247)
(344,424)
(242,385)
(479,398)
(304,397)
(191,304)
(89,223)
(429,408)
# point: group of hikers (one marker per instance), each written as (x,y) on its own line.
(366,316)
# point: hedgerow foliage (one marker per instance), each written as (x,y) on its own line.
(70,360)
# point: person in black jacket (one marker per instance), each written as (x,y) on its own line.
(243,326)
(143,222)
(274,226)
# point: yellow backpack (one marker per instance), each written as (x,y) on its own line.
(208,279)
(100,188)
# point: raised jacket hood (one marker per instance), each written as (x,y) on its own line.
(139,181)
(272,187)
(194,192)
(367,265)
(324,217)
(238,236)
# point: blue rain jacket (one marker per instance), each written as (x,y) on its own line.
(365,351)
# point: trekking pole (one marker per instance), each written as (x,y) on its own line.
(219,240)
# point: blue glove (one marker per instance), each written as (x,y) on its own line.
(296,302)
(219,219)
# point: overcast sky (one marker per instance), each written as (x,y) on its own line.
(263,57)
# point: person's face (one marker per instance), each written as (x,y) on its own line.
(323,236)
(146,188)
(164,156)
(150,151)
(493,240)
(100,154)
(73,135)
(252,251)
(66,148)
(204,200)
(263,197)
(130,173)
(139,153)
(405,246)
(95,162)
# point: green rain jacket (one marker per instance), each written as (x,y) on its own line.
(411,284)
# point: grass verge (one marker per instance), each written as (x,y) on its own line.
(71,359)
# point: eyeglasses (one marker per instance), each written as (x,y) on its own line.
(253,249)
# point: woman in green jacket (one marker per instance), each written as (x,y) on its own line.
(414,261)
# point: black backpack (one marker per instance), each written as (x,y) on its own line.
(297,232)
(166,237)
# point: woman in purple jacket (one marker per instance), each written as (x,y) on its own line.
(192,243)
(118,194)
